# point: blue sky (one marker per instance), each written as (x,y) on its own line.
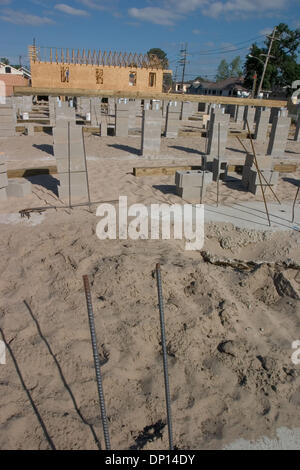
(213,29)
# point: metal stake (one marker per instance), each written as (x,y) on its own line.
(204,158)
(69,163)
(259,173)
(218,175)
(86,172)
(96,360)
(164,349)
(294,203)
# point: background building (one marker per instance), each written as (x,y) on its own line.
(12,76)
(96,71)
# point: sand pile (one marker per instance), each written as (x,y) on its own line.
(229,335)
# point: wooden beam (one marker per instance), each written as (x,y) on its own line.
(21,91)
(285,168)
(162,170)
(171,170)
(24,172)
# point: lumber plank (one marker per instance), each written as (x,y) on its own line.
(286,167)
(21,91)
(171,170)
(23,172)
(162,170)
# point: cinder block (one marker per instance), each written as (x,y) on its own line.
(249,115)
(187,110)
(172,120)
(205,119)
(270,176)
(239,113)
(7,124)
(264,162)
(3,194)
(297,131)
(279,135)
(191,193)
(122,119)
(18,187)
(3,179)
(246,176)
(219,169)
(5,111)
(192,178)
(30,129)
(151,133)
(217,140)
(103,129)
(262,124)
(3,167)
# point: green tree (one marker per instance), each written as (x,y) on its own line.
(167,82)
(161,55)
(235,67)
(283,68)
(200,79)
(4,61)
(223,71)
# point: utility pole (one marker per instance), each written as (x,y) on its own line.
(183,62)
(266,61)
(254,84)
(175,77)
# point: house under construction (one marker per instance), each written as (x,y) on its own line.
(64,68)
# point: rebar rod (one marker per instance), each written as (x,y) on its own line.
(219,168)
(96,360)
(164,350)
(69,163)
(294,203)
(259,174)
(86,172)
(26,211)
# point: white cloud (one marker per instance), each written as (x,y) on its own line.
(196,31)
(70,10)
(18,17)
(265,31)
(155,15)
(209,44)
(185,6)
(99,4)
(241,8)
(168,12)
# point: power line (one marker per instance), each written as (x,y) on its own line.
(268,55)
(226,48)
(224,51)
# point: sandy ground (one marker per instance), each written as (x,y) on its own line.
(229,331)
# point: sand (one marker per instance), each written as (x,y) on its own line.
(229,332)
